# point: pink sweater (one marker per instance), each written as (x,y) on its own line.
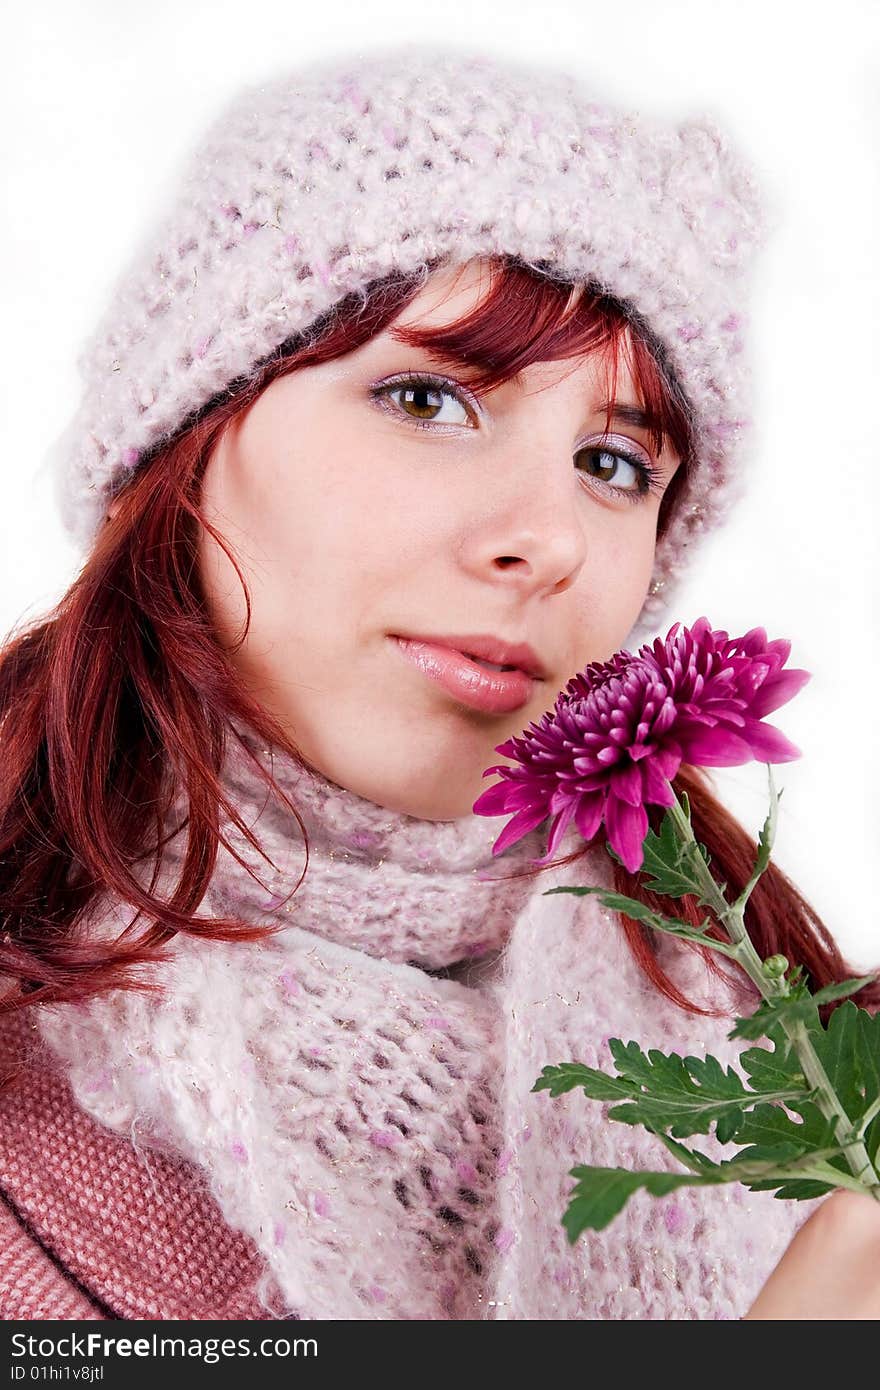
(84,1233)
(339,1121)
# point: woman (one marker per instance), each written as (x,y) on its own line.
(265,972)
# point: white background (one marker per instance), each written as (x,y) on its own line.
(101,100)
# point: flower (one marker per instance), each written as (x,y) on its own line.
(621,729)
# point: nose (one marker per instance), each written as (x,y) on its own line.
(531,533)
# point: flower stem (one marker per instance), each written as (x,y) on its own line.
(771,988)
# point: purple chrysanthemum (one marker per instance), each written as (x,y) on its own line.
(621,729)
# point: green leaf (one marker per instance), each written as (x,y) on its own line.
(772,1125)
(849,1050)
(640,912)
(841,990)
(683,1095)
(796,979)
(795,1189)
(598,1085)
(777,1070)
(770,1013)
(669,1093)
(727,1125)
(601,1193)
(669,860)
(691,1159)
(770,1135)
(680,872)
(768,832)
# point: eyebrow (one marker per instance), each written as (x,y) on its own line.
(630,415)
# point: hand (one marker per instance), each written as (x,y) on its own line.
(831,1269)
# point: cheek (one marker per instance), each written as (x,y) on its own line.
(632,556)
(305,520)
(621,537)
(642,564)
(610,593)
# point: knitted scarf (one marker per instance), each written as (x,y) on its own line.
(357,1087)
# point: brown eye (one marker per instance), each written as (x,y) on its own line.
(605,464)
(619,472)
(423,401)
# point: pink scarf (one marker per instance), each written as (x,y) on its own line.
(358,1087)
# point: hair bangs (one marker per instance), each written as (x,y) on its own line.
(528,317)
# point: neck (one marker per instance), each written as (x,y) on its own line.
(428,893)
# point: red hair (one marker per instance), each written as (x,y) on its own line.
(122,692)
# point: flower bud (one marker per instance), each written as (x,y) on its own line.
(775,967)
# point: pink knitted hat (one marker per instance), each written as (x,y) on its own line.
(311,185)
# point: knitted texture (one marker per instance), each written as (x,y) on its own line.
(91,1225)
(362,1110)
(30,1283)
(311,185)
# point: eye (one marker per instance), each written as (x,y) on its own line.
(422,400)
(619,471)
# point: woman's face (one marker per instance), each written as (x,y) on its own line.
(362,509)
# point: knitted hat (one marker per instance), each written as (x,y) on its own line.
(311,185)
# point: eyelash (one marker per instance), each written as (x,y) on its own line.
(650,478)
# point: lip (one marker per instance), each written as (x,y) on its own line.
(492,692)
(490,648)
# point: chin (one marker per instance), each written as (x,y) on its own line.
(424,806)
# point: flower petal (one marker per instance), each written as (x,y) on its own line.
(668,759)
(588,816)
(627,827)
(718,747)
(626,782)
(657,788)
(666,717)
(560,825)
(778,690)
(494,800)
(768,744)
(521,824)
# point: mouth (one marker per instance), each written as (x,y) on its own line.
(472,680)
(487,650)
